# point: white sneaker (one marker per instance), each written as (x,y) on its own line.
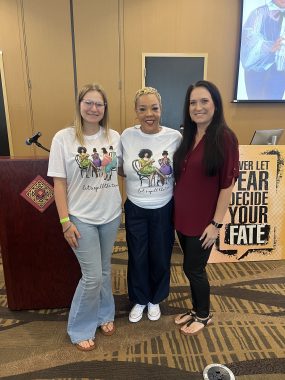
(136,313)
(154,312)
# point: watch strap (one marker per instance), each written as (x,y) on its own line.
(217,225)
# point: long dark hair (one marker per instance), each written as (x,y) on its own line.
(214,137)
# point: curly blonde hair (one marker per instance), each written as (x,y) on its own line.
(147,91)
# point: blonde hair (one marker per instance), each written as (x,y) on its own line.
(78,121)
(147,91)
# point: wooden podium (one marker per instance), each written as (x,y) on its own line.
(40,269)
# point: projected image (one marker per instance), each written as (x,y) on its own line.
(261,72)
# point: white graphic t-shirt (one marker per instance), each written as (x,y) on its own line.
(148,165)
(91,171)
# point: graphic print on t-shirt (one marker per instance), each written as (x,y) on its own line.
(149,172)
(96,164)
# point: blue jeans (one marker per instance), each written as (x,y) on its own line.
(93,301)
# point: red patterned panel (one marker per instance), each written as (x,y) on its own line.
(39,193)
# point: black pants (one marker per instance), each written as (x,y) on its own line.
(150,237)
(194,266)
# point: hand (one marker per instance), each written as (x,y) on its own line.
(71,236)
(277,44)
(209,236)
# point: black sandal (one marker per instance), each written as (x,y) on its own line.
(190,317)
(205,322)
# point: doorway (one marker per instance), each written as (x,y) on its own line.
(171,74)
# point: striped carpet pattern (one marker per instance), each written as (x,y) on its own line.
(247,336)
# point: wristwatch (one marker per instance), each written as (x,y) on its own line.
(217,225)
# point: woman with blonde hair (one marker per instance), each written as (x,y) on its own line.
(149,205)
(89,210)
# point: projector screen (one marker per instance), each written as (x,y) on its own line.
(261,62)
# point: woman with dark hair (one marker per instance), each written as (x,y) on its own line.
(263,51)
(96,159)
(82,159)
(146,165)
(146,162)
(205,169)
(165,163)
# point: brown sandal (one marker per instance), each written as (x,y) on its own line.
(108,332)
(90,348)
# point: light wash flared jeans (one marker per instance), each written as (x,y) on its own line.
(93,301)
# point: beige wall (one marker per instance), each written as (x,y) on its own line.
(110,37)
(15,75)
(49,52)
(97,50)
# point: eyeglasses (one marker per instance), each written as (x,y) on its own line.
(90,103)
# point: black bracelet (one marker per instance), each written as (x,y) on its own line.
(217,225)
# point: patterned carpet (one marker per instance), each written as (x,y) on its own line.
(248,334)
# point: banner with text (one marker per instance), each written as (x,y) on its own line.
(254,225)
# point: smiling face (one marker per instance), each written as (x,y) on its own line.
(92,108)
(201,107)
(148,112)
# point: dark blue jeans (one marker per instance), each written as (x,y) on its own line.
(194,266)
(150,237)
